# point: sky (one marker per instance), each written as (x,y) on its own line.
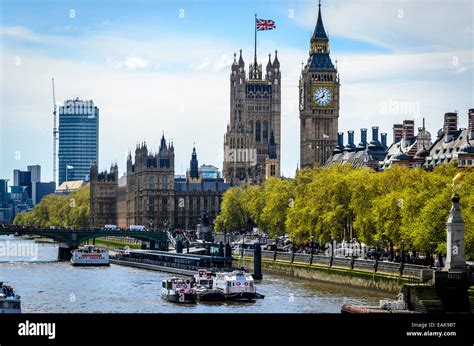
(155,67)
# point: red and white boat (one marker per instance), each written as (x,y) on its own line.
(236,285)
(89,255)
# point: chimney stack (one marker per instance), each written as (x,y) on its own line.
(340,142)
(350,145)
(450,125)
(470,124)
(397,133)
(408,131)
(363,139)
(375,137)
(383,140)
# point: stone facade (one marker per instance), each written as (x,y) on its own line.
(453,143)
(255,116)
(151,195)
(407,149)
(103,196)
(319,101)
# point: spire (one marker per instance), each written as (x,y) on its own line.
(269,65)
(241,61)
(163,142)
(276,63)
(319,32)
(193,171)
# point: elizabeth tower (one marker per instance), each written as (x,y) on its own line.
(318,101)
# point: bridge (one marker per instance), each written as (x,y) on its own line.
(70,239)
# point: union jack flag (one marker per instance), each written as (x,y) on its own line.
(265,24)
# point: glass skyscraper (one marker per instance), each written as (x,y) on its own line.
(78,139)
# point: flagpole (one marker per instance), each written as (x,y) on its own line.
(255,57)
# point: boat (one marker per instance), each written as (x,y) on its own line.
(178,291)
(203,283)
(236,285)
(10,302)
(385,306)
(90,255)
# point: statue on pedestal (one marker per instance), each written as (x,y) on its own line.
(455,258)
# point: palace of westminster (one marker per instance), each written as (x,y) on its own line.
(151,194)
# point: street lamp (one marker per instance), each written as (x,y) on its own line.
(332,251)
(432,245)
(332,246)
(403,251)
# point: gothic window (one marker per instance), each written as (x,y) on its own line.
(164,203)
(152,183)
(265,131)
(165,182)
(151,205)
(272,170)
(258,131)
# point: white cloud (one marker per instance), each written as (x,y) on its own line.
(396,25)
(430,63)
(133,62)
(24,34)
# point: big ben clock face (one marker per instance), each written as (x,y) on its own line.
(322,96)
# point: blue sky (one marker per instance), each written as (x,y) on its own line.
(154,66)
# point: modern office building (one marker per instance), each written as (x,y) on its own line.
(41,189)
(5,204)
(23,178)
(35,172)
(20,200)
(78,139)
(30,180)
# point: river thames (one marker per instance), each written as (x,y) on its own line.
(48,286)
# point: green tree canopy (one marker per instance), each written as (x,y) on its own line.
(59,210)
(398,205)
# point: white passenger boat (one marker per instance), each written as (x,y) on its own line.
(203,283)
(10,303)
(178,291)
(89,255)
(236,285)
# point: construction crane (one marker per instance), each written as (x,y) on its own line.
(55,133)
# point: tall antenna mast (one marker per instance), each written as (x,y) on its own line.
(55,133)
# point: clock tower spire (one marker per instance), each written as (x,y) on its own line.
(319,100)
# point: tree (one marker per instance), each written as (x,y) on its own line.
(233,215)
(398,205)
(59,210)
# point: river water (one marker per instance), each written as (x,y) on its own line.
(49,286)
